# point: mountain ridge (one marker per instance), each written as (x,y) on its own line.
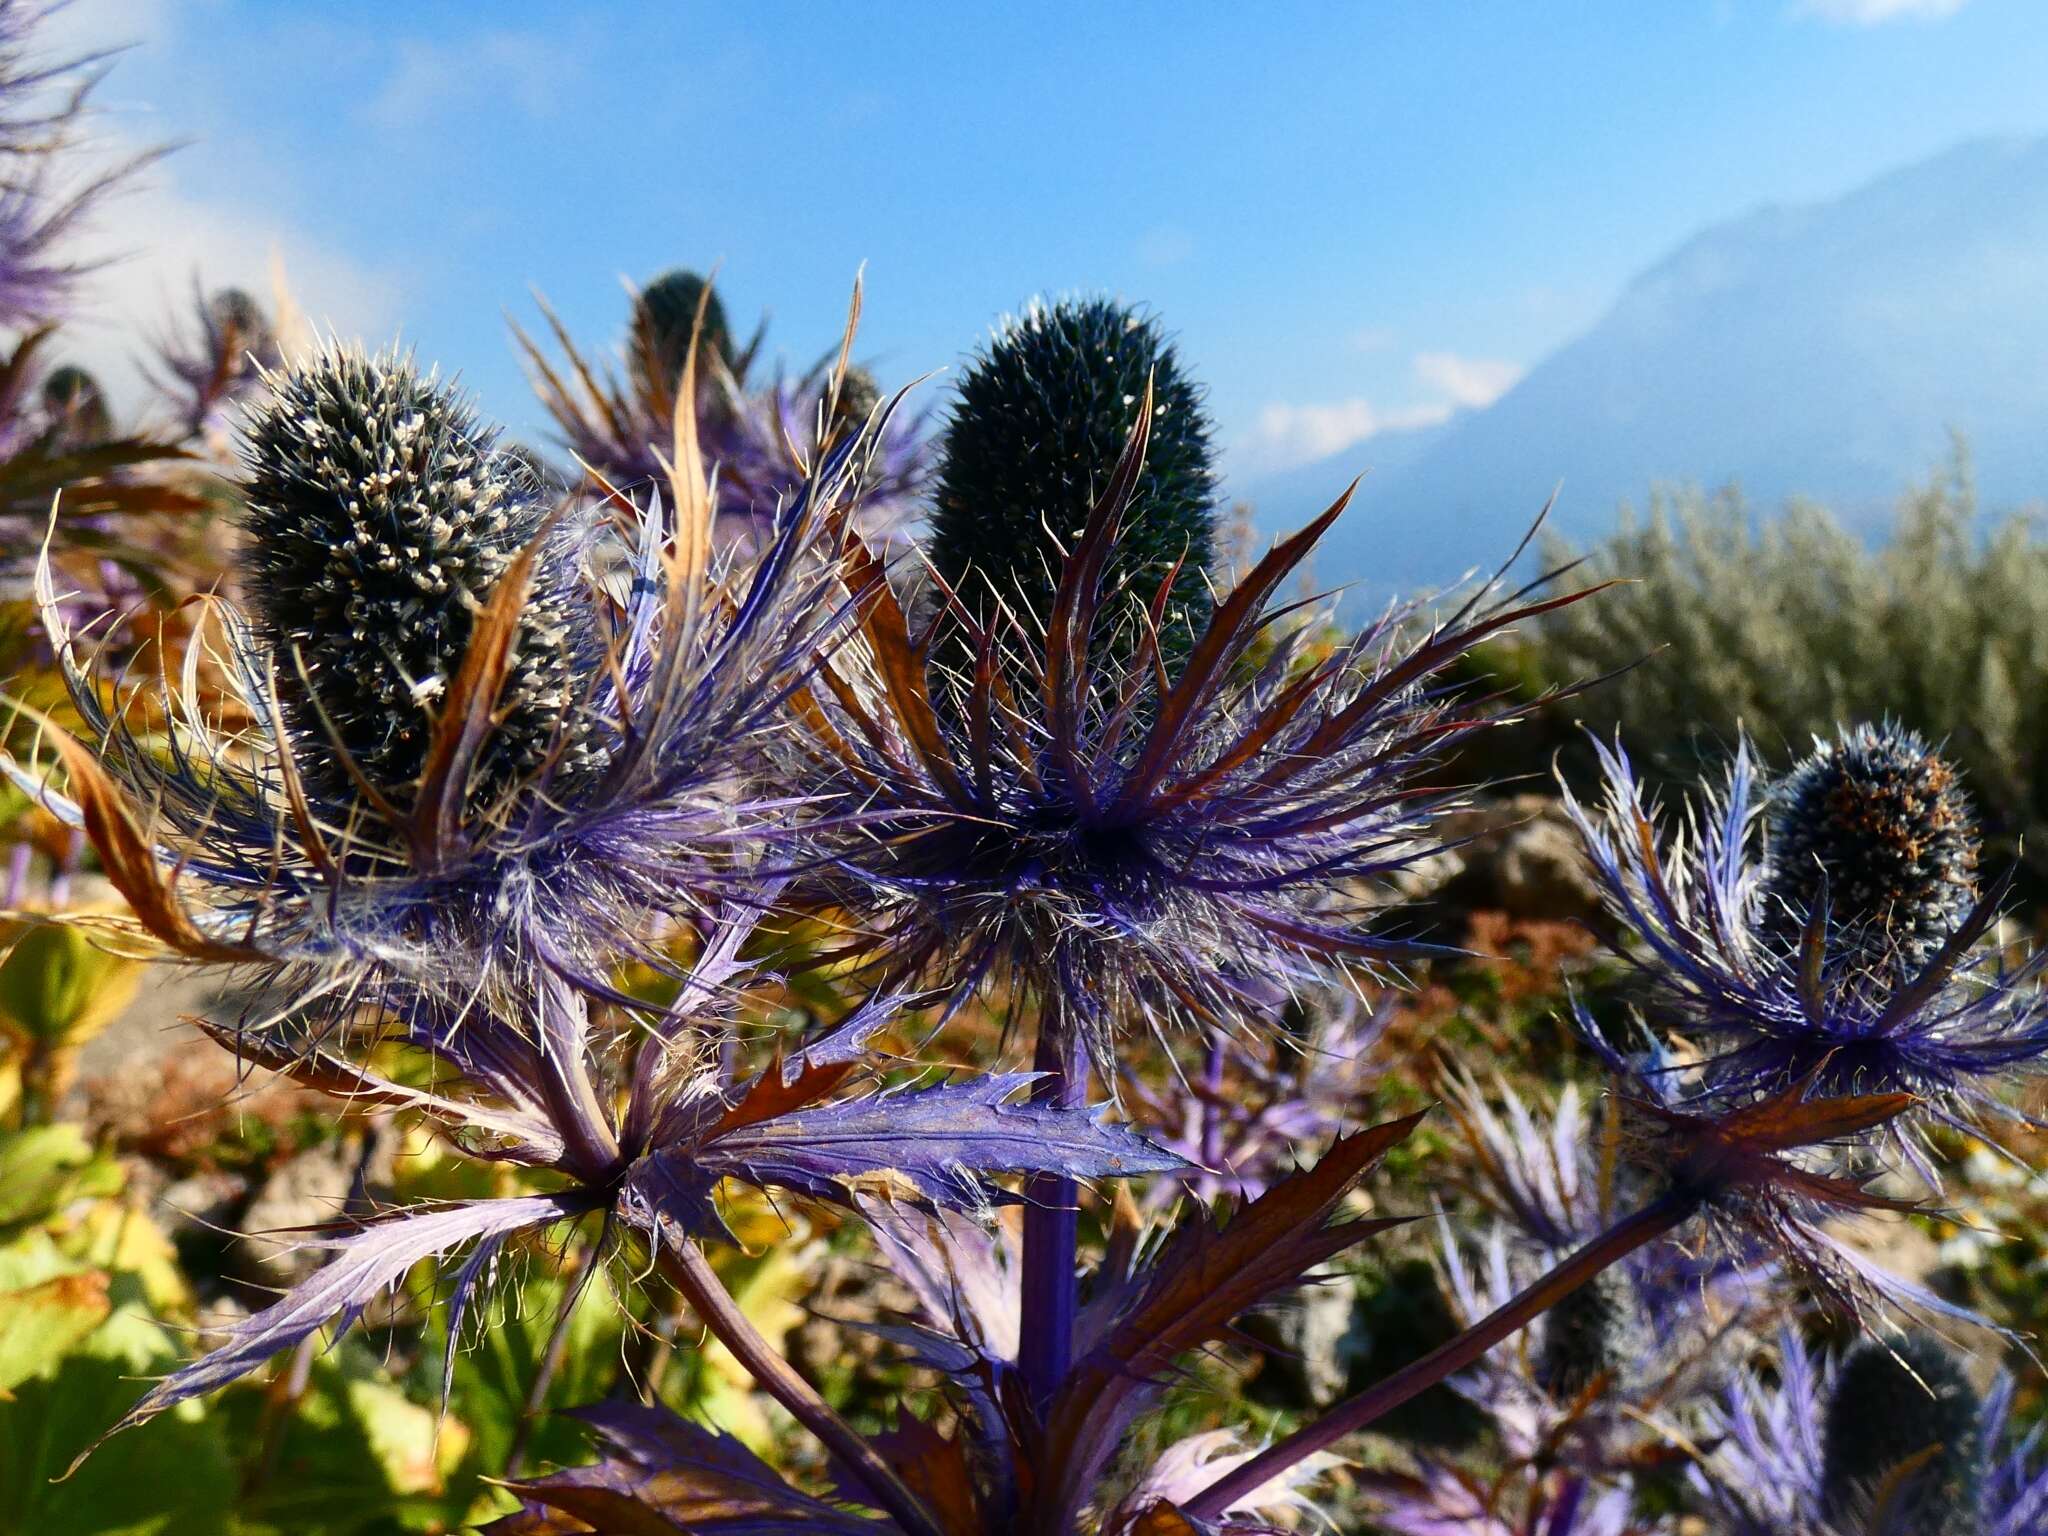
(1826,349)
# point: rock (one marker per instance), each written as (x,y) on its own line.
(1312,1344)
(307,1190)
(1539,871)
(1520,856)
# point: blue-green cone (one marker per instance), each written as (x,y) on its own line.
(1039,422)
(380,515)
(1891,1403)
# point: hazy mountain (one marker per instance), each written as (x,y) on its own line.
(1825,350)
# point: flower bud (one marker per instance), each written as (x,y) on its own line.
(1039,423)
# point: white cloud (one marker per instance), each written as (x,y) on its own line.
(1288,435)
(84,25)
(153,239)
(1466,381)
(159,240)
(521,71)
(1871,13)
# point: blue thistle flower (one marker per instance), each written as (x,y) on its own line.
(1239,1121)
(1903,1435)
(379,521)
(463,817)
(1874,832)
(1617,1366)
(1840,953)
(1040,419)
(219,364)
(44,103)
(1891,1440)
(1113,844)
(1441,1500)
(467,747)
(622,428)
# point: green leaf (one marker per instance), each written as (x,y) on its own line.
(39,1324)
(46,1167)
(171,1477)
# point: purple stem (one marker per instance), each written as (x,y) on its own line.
(1355,1413)
(693,1275)
(1212,1093)
(1052,1216)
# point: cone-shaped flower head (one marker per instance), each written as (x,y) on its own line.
(664,320)
(1874,831)
(465,741)
(76,408)
(380,520)
(622,424)
(1891,1441)
(1904,1435)
(511,762)
(1041,419)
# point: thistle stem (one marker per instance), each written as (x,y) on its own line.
(691,1273)
(1355,1413)
(1052,1217)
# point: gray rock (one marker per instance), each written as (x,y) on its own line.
(307,1190)
(1312,1343)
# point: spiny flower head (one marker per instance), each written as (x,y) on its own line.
(1116,844)
(1903,1435)
(1588,1387)
(219,362)
(1772,992)
(1783,1463)
(1873,830)
(471,914)
(380,518)
(665,318)
(1040,420)
(463,747)
(622,425)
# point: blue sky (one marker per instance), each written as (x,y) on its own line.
(1353,216)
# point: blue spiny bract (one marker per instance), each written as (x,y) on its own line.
(1876,827)
(1781,993)
(1903,1434)
(1041,418)
(380,518)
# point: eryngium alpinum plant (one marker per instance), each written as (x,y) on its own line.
(485,752)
